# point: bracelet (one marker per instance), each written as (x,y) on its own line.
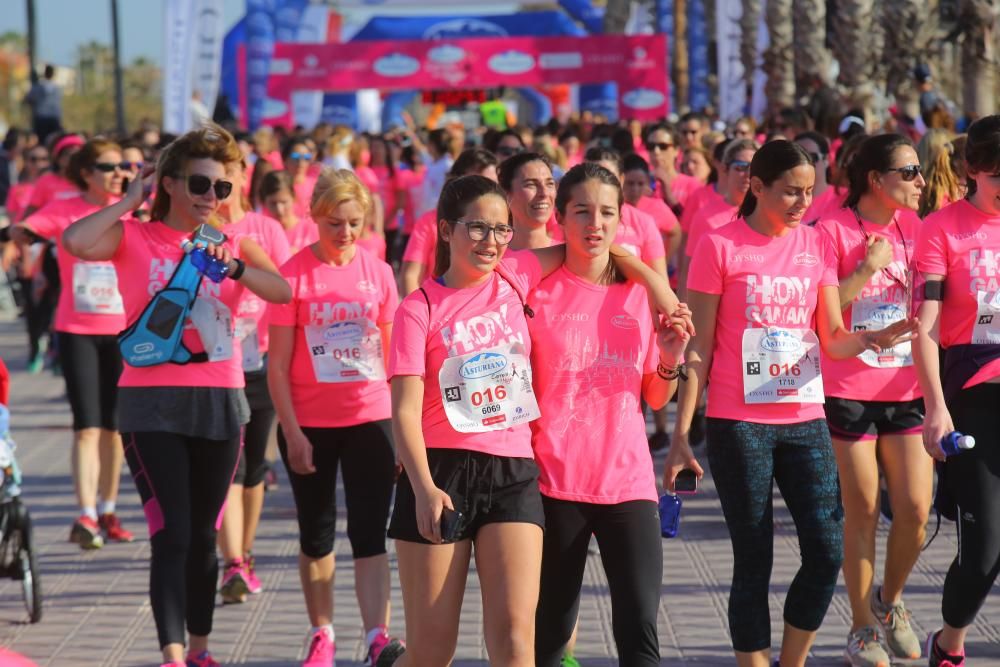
(669,374)
(241,266)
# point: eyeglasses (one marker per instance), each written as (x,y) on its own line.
(478,230)
(508,151)
(132,166)
(741,166)
(108,167)
(300,156)
(38,158)
(658,146)
(199,184)
(690,130)
(907,173)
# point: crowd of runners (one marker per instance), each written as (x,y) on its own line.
(469,327)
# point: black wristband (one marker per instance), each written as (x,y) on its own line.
(241,266)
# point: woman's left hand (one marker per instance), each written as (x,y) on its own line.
(674,333)
(894,334)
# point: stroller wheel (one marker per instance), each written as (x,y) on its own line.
(27,563)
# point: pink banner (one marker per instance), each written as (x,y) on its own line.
(636,62)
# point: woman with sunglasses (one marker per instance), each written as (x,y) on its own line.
(298,158)
(958,278)
(88,318)
(245,500)
(327,377)
(505,144)
(54,185)
(765,302)
(418,260)
(36,161)
(671,185)
(278,197)
(531,195)
(873,405)
(182,423)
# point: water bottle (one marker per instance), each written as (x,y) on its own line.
(670,514)
(956,443)
(214,269)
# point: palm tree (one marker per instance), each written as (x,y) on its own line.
(616,15)
(978,23)
(749,22)
(910,28)
(812,59)
(852,42)
(779,58)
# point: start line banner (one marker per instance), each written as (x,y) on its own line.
(637,63)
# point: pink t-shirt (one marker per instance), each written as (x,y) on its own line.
(713,215)
(50,187)
(853,378)
(303,195)
(145,260)
(591,346)
(459,322)
(763,281)
(962,243)
(362,293)
(17,199)
(826,205)
(423,241)
(373,243)
(411,183)
(89,302)
(699,198)
(304,233)
(683,186)
(637,233)
(662,215)
(268,234)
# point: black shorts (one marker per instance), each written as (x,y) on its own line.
(252,468)
(854,421)
(484,488)
(91,366)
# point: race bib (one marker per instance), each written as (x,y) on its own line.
(987,328)
(347,351)
(95,289)
(872,315)
(246,333)
(214,322)
(781,366)
(489,390)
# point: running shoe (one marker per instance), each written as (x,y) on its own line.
(86,533)
(864,648)
(322,650)
(234,584)
(253,583)
(659,441)
(895,623)
(938,658)
(112,527)
(203,659)
(36,364)
(178,663)
(385,645)
(569,661)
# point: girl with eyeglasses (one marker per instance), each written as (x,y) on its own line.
(765,303)
(327,376)
(182,423)
(88,318)
(958,280)
(873,406)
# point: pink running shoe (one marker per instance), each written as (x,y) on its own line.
(322,650)
(384,650)
(234,585)
(203,659)
(253,583)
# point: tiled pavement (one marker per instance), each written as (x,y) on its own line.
(96,611)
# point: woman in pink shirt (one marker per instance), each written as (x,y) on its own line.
(764,289)
(181,422)
(327,376)
(298,158)
(88,318)
(958,282)
(35,162)
(53,185)
(873,404)
(671,185)
(246,493)
(278,197)
(596,358)
(531,194)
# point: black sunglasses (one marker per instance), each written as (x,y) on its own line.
(508,151)
(741,166)
(658,145)
(907,173)
(108,167)
(199,184)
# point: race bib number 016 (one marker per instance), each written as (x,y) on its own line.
(348,351)
(489,390)
(781,366)
(95,289)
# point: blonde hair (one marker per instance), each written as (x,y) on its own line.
(209,142)
(335,187)
(934,152)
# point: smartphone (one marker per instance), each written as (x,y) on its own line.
(686,482)
(451,524)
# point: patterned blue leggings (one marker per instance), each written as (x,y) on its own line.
(745,457)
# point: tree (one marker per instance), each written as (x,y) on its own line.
(852,43)
(978,22)
(779,58)
(910,27)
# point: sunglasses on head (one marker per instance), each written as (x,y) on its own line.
(741,166)
(301,156)
(907,173)
(199,184)
(658,146)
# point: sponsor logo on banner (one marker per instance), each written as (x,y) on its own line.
(567,60)
(483,365)
(780,341)
(464,28)
(640,59)
(446,54)
(512,62)
(643,98)
(805,259)
(396,64)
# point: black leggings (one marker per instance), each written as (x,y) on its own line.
(252,468)
(182,483)
(632,554)
(746,459)
(973,479)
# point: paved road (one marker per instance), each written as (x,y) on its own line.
(96,609)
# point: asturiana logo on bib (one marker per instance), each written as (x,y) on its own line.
(342,330)
(780,341)
(625,322)
(483,365)
(888,313)
(805,259)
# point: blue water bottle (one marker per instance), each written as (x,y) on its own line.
(670,514)
(215,269)
(956,443)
